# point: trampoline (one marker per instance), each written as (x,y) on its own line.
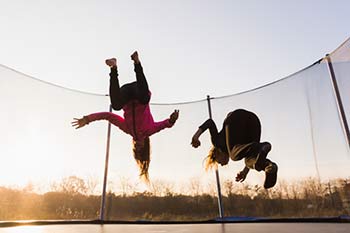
(282,227)
(303,118)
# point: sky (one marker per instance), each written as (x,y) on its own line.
(189,49)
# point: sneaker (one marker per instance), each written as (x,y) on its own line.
(111,62)
(260,163)
(270,174)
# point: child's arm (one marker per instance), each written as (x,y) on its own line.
(111,117)
(167,123)
(242,174)
(79,122)
(208,124)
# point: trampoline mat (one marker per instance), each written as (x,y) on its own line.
(177,228)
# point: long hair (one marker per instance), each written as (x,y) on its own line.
(143,158)
(210,161)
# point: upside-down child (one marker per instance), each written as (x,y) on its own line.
(239,138)
(138,121)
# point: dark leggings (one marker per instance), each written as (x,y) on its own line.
(243,128)
(131,91)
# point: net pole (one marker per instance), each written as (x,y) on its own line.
(338,99)
(221,210)
(103,197)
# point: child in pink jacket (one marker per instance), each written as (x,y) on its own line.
(138,122)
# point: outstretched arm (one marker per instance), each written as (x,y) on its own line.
(195,138)
(208,124)
(111,117)
(242,174)
(79,122)
(167,123)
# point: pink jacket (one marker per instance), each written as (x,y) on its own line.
(143,126)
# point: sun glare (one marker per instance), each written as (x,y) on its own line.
(26,229)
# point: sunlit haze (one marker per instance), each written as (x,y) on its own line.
(189,49)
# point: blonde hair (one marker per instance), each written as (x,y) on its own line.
(143,159)
(210,161)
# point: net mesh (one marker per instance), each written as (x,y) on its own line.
(50,170)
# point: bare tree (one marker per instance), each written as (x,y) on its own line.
(161,188)
(91,184)
(73,185)
(195,187)
(126,186)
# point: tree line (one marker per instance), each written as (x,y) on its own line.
(71,199)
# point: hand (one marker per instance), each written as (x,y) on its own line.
(195,138)
(241,176)
(174,116)
(78,123)
(195,142)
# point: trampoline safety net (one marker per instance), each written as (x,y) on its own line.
(49,170)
